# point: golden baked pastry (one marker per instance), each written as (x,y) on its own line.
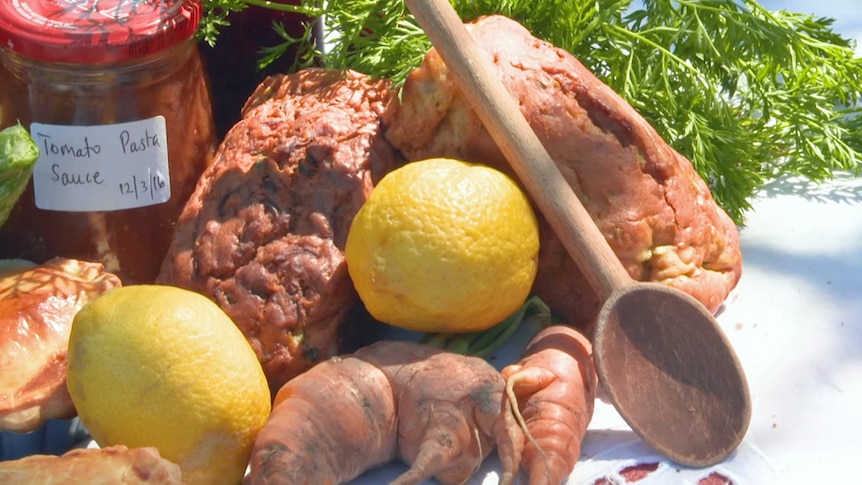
(37,306)
(116,465)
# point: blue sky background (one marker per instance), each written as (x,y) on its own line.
(847,14)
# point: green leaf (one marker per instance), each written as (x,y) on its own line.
(18,155)
(485,342)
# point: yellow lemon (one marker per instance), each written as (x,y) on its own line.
(153,365)
(443,246)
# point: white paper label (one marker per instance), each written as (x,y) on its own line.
(101,167)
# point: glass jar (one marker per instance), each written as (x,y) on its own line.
(115,96)
(233,62)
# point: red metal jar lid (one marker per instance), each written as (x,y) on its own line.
(95,31)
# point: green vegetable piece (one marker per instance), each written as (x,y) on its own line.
(483,343)
(18,154)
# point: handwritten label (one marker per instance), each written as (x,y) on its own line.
(101,167)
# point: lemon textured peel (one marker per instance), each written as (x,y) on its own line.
(443,246)
(161,366)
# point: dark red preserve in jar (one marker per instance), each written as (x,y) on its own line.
(115,96)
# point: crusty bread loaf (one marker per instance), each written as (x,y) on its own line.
(647,199)
(264,231)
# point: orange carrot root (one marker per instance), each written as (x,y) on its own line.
(528,382)
(551,391)
(442,413)
(337,405)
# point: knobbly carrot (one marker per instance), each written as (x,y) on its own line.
(439,412)
(552,391)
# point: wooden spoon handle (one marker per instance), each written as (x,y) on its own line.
(529,159)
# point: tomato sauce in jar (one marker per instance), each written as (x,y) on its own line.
(115,96)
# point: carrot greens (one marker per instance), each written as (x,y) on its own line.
(485,342)
(747,94)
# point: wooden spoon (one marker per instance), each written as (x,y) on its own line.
(664,362)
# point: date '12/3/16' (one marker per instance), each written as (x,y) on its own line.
(148,186)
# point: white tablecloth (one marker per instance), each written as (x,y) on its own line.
(795,320)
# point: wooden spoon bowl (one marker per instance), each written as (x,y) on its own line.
(665,363)
(671,373)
